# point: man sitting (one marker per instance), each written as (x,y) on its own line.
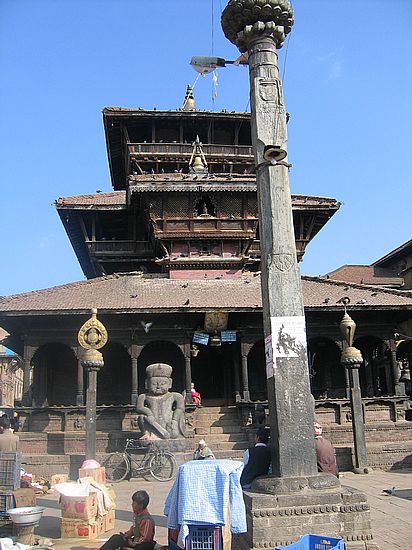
(256,460)
(203,452)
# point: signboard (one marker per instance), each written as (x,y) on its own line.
(228,336)
(200,338)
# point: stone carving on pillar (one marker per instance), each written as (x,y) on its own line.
(161,413)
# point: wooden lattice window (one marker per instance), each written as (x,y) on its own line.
(252,207)
(231,205)
(178,206)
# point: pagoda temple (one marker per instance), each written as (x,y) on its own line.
(172,263)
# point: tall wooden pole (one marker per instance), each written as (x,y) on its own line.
(291,414)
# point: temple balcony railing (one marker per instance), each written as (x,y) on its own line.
(182,152)
(116,247)
(186,150)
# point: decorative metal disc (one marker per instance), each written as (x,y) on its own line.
(93,334)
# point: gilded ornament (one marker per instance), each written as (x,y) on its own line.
(92,334)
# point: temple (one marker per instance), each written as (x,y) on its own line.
(172,263)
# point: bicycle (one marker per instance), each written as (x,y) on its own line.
(161,464)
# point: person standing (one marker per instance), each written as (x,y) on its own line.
(325,453)
(9,442)
(256,460)
(15,422)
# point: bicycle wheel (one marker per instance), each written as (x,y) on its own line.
(117,467)
(162,465)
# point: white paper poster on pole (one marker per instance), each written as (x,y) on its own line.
(269,356)
(288,336)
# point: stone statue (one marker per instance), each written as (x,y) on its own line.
(161,413)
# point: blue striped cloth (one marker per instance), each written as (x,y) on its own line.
(200,496)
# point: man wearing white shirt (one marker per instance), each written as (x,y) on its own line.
(256,459)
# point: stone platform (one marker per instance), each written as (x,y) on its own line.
(280,511)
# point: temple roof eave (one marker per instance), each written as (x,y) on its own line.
(130,293)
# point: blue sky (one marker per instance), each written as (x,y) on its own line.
(348,87)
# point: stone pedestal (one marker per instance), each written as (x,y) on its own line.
(24,533)
(281,510)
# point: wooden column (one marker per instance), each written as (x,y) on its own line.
(398,387)
(236,377)
(244,351)
(28,353)
(135,351)
(80,377)
(188,372)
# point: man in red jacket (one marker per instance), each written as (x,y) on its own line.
(325,453)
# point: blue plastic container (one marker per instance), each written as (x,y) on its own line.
(315,542)
(204,537)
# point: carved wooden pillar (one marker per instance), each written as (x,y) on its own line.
(188,371)
(28,353)
(135,351)
(370,386)
(80,377)
(398,387)
(244,351)
(236,377)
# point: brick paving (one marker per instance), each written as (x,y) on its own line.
(391,514)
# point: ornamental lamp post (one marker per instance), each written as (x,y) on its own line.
(351,359)
(92,336)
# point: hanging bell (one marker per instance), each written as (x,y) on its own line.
(198,165)
(274,153)
(405,375)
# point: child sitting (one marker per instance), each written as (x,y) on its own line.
(141,534)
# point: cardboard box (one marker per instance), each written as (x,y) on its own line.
(109,520)
(110,492)
(59,478)
(78,529)
(101,525)
(98,474)
(76,507)
(24,497)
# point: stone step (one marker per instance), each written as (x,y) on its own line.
(231,455)
(226,429)
(219,437)
(226,418)
(230,422)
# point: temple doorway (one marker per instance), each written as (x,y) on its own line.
(256,366)
(212,374)
(55,375)
(114,379)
